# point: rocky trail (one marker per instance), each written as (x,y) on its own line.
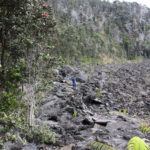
(103,92)
(109,105)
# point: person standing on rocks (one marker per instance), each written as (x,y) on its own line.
(74,83)
(63,73)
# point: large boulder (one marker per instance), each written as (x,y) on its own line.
(68,69)
(81,76)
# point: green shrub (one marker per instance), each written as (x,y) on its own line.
(145,128)
(123,111)
(75,113)
(98,93)
(14,124)
(39,134)
(8,101)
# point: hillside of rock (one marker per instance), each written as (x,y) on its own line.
(102,93)
(109,106)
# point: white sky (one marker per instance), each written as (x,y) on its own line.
(142,2)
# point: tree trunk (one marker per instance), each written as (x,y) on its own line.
(2,61)
(2,57)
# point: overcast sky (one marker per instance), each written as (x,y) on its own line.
(143,2)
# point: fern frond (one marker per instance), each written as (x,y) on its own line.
(137,144)
(145,128)
(100,146)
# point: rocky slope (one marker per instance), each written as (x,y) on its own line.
(93,111)
(101,93)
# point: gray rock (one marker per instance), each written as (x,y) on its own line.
(68,69)
(81,77)
(102,122)
(29,147)
(68,147)
(98,101)
(88,121)
(12,146)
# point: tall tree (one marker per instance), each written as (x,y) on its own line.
(25,27)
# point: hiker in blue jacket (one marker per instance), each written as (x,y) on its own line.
(74,83)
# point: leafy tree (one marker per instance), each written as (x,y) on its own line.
(25,26)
